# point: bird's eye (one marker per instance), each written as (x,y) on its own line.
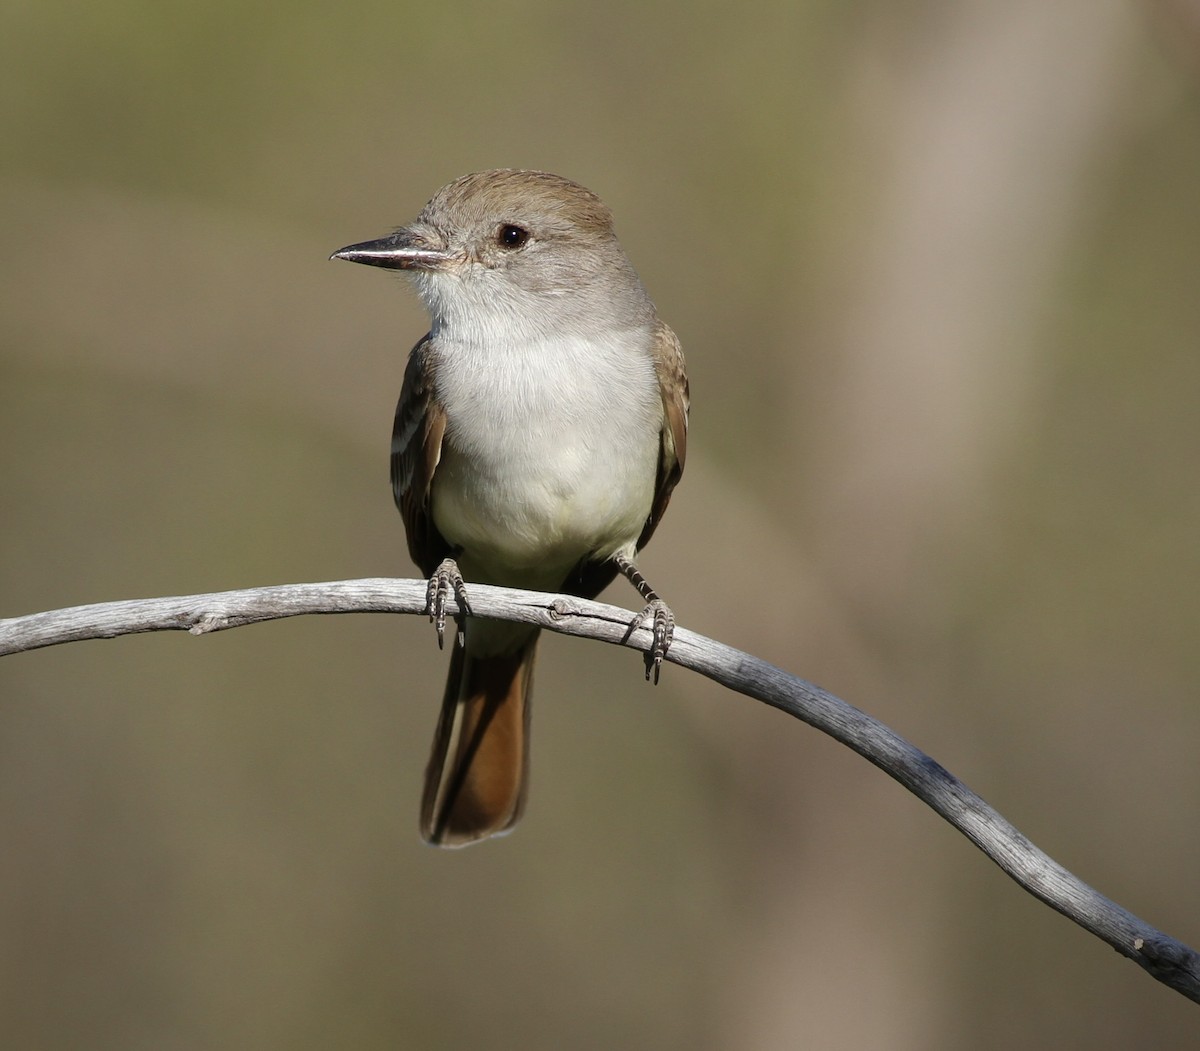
(510,236)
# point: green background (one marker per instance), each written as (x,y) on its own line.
(934,266)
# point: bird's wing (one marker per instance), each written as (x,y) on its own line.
(673,385)
(416,450)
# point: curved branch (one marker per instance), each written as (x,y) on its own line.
(1168,960)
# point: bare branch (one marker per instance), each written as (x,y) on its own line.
(1168,960)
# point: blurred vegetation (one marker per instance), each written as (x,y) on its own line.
(934,268)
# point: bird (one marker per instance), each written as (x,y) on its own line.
(541,429)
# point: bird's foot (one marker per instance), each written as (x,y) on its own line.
(662,620)
(446,579)
(662,629)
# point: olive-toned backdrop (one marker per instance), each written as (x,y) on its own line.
(935,270)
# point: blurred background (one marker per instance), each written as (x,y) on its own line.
(934,266)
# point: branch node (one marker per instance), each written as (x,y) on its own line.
(209,621)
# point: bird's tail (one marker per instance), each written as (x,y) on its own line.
(479,767)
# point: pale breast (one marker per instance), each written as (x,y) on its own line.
(550,454)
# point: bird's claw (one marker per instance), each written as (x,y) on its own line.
(662,629)
(446,579)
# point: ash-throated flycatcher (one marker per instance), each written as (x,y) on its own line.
(541,428)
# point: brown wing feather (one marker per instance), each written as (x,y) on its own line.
(673,383)
(416,449)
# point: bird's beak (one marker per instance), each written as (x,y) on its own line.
(403,250)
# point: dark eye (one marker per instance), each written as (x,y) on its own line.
(511,236)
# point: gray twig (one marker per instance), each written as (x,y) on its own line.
(1168,960)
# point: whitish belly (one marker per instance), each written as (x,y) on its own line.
(527,509)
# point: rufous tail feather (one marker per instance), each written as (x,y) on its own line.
(479,767)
